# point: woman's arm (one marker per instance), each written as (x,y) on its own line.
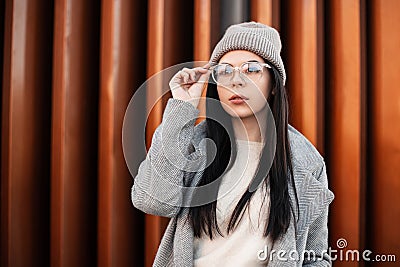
(157,187)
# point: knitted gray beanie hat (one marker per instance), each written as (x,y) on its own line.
(254,37)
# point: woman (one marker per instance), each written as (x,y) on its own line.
(257,194)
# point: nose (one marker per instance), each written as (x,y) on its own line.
(237,79)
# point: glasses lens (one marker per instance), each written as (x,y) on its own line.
(252,68)
(222,73)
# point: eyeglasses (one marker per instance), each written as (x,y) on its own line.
(224,72)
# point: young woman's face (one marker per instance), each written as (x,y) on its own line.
(254,90)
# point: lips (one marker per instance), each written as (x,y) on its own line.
(238,97)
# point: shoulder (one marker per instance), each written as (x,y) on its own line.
(304,154)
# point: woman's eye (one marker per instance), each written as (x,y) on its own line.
(252,68)
(226,70)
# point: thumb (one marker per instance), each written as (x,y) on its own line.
(204,77)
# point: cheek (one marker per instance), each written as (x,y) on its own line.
(259,92)
(259,95)
(264,88)
(223,94)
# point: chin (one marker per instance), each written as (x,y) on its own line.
(239,111)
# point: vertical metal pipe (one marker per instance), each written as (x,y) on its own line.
(232,12)
(122,70)
(25,134)
(384,214)
(343,139)
(75,133)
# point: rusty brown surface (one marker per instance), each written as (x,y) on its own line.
(25,131)
(384,212)
(343,136)
(75,133)
(301,56)
(122,68)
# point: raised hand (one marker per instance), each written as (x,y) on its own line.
(188,84)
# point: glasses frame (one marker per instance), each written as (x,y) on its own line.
(237,68)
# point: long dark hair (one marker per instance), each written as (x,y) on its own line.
(203,218)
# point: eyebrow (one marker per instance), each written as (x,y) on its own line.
(253,60)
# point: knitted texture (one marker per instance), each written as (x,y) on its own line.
(254,37)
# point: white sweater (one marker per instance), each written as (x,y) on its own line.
(241,247)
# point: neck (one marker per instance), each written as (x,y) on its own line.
(250,128)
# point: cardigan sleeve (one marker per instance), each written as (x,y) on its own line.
(158,187)
(317,238)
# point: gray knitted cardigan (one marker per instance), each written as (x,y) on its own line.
(156,190)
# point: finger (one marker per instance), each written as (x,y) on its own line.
(187,70)
(194,75)
(207,66)
(201,70)
(204,77)
(197,73)
(184,77)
